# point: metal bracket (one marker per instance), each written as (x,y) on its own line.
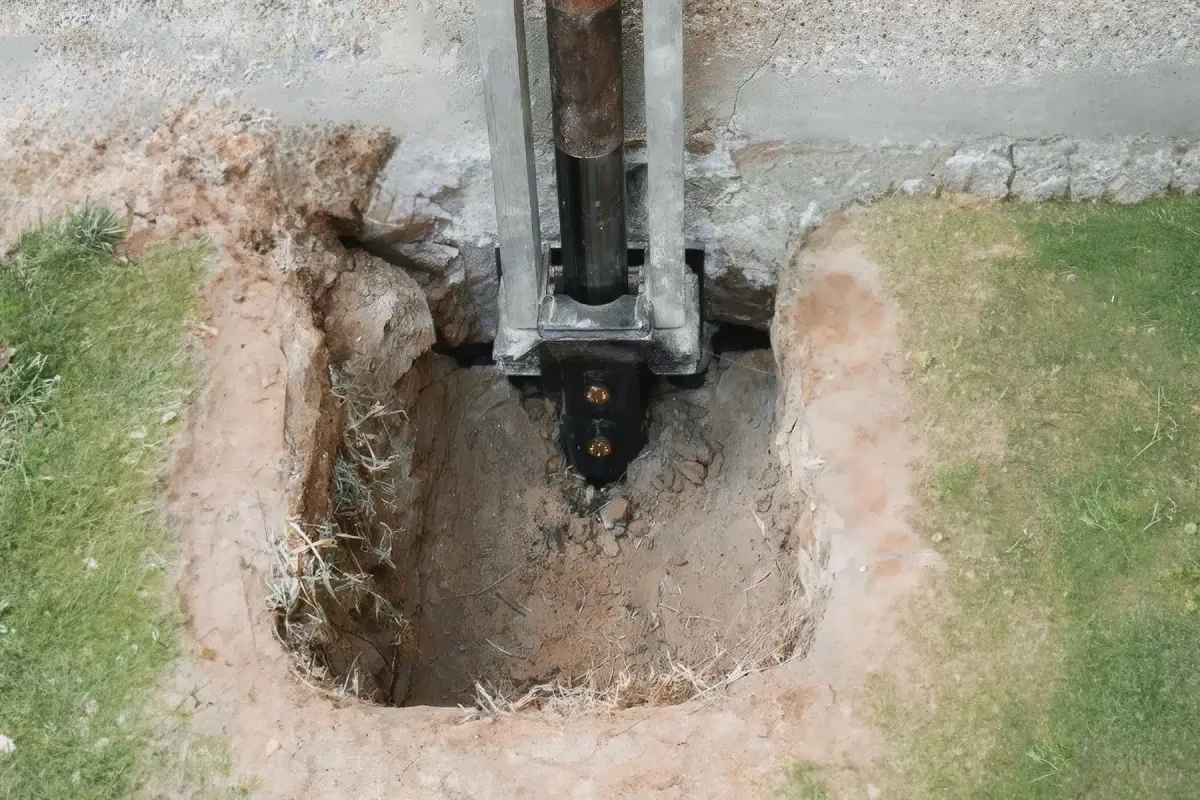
(667,293)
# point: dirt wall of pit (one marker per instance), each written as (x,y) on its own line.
(795,108)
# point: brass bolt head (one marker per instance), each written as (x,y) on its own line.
(598,395)
(599,448)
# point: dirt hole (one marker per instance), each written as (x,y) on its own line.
(447,556)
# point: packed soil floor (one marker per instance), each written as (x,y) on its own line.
(762,536)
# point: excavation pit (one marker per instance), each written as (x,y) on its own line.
(529,577)
(467,565)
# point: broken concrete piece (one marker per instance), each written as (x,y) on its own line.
(379,323)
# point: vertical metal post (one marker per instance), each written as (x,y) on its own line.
(665,276)
(501,26)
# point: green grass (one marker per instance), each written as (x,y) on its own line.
(802,783)
(87,627)
(1063,403)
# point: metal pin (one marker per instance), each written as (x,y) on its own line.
(599,448)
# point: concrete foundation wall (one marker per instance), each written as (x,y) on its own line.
(795,108)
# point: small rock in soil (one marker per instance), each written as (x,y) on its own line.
(678,482)
(639,528)
(608,544)
(694,471)
(615,512)
(678,560)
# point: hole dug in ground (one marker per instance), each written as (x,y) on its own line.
(442,554)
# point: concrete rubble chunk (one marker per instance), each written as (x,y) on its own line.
(432,212)
(441,273)
(1094,167)
(379,323)
(1043,171)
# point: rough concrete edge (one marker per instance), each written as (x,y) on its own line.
(752,204)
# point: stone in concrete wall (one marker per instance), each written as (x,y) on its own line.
(1094,166)
(985,170)
(1148,174)
(1186,179)
(1041,171)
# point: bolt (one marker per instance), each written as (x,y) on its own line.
(599,448)
(598,395)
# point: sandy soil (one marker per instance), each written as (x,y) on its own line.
(841,438)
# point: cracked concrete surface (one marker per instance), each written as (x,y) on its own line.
(794,109)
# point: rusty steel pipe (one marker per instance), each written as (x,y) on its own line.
(586,84)
(587,90)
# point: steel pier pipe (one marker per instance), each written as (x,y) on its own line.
(588,96)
